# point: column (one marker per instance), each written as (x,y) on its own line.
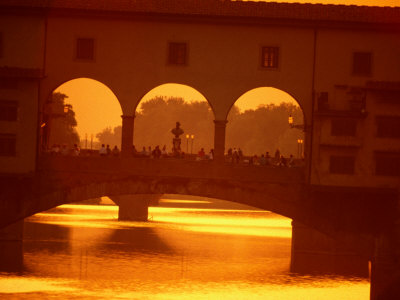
(385,272)
(219,140)
(127,135)
(385,264)
(132,207)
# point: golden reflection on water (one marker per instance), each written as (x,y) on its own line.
(83,252)
(222,221)
(183,201)
(14,284)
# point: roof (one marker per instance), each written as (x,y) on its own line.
(220,8)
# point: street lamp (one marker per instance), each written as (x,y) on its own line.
(191,148)
(299,148)
(187,143)
(292,125)
(290,121)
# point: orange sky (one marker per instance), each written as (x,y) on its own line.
(96,107)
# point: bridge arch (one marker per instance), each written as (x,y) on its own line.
(164,105)
(260,116)
(279,198)
(175,89)
(94,103)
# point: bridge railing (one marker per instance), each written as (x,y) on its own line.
(204,169)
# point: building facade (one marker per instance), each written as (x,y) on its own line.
(340,63)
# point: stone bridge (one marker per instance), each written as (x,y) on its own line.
(349,215)
(362,219)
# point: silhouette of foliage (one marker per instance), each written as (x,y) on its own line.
(62,123)
(254,131)
(264,129)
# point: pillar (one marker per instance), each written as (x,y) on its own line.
(131,207)
(385,272)
(314,252)
(219,140)
(127,135)
(385,264)
(11,250)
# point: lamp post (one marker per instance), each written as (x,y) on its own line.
(299,148)
(187,143)
(292,125)
(191,148)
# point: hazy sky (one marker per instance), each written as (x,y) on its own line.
(96,107)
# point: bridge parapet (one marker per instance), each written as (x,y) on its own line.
(179,168)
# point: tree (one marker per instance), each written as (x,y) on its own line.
(254,131)
(110,136)
(59,124)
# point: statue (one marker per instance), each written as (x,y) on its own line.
(176,141)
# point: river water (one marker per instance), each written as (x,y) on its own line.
(195,251)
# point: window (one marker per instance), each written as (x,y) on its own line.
(177,53)
(362,63)
(8,110)
(269,57)
(85,48)
(343,127)
(387,164)
(388,127)
(342,164)
(7,144)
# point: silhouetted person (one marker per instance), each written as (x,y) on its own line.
(211,154)
(115,151)
(164,152)
(291,161)
(103,150)
(108,150)
(282,161)
(240,154)
(263,161)
(156,152)
(201,153)
(277,156)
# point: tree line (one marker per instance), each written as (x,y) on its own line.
(254,131)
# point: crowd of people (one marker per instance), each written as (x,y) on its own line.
(233,155)
(236,156)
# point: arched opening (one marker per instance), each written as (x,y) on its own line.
(80,111)
(258,126)
(158,112)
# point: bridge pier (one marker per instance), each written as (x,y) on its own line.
(314,252)
(132,208)
(385,266)
(11,250)
(219,140)
(127,135)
